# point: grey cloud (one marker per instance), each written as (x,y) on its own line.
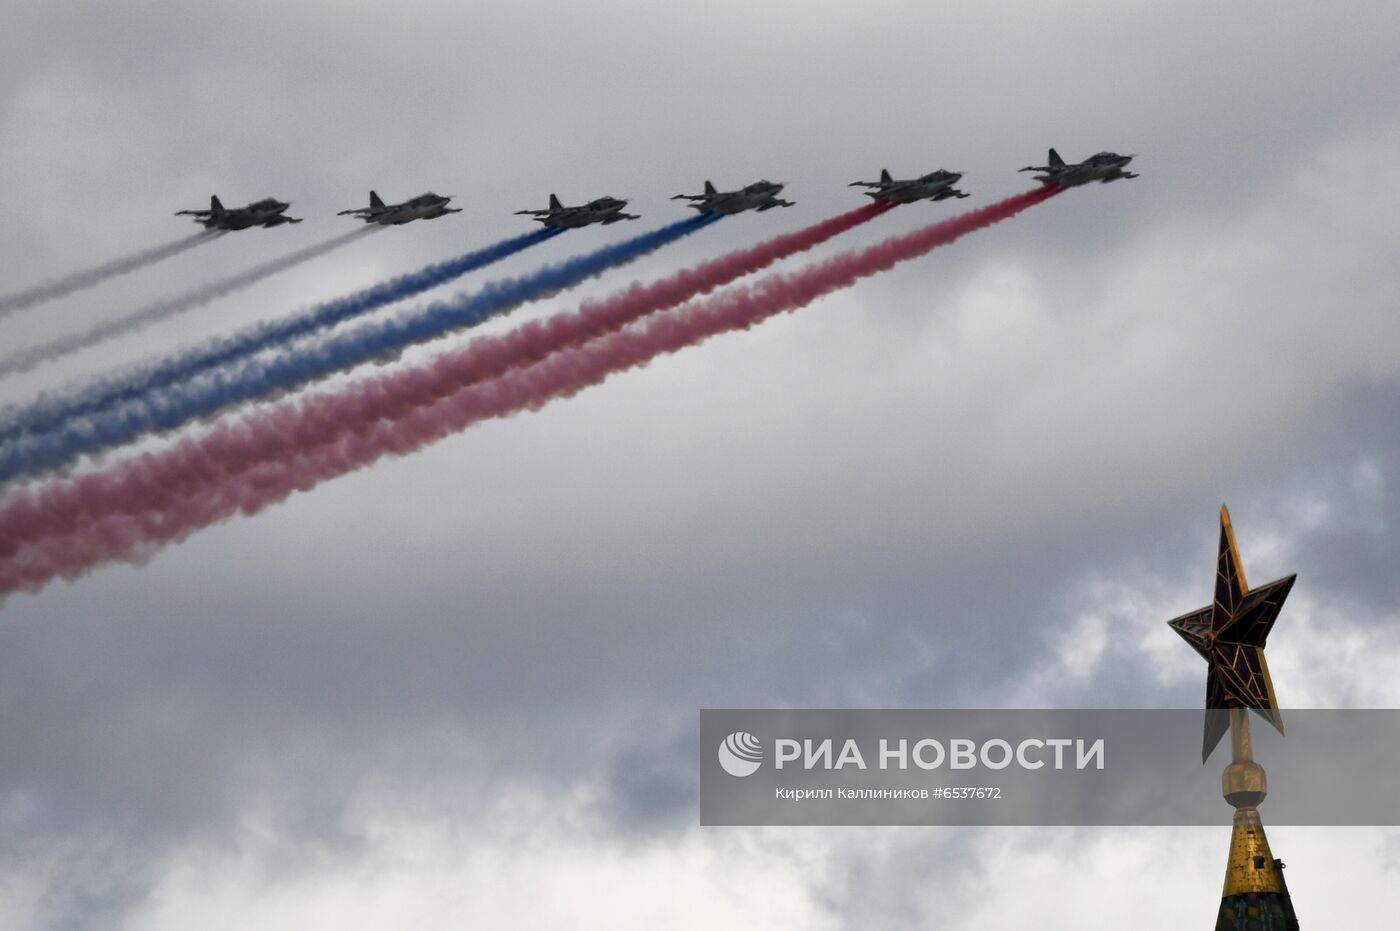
(867,504)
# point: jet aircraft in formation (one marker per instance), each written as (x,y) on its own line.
(423,207)
(604,210)
(1104,167)
(760,196)
(936,185)
(267,212)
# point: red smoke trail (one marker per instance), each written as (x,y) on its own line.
(113,510)
(384,397)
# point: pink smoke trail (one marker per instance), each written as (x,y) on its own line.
(384,398)
(196,492)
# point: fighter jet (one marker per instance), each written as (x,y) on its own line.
(604,210)
(1104,167)
(936,185)
(760,196)
(266,212)
(423,207)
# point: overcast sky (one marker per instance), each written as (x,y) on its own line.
(461,689)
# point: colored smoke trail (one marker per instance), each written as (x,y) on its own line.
(29,359)
(69,527)
(91,277)
(50,410)
(385,398)
(177,405)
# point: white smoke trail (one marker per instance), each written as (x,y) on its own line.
(94,276)
(28,359)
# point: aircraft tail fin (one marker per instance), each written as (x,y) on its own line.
(885,176)
(1055,160)
(554,203)
(709,189)
(215,207)
(375,202)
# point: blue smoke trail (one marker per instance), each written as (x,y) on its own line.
(174,406)
(49,411)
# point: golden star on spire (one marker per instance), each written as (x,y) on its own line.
(1230,634)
